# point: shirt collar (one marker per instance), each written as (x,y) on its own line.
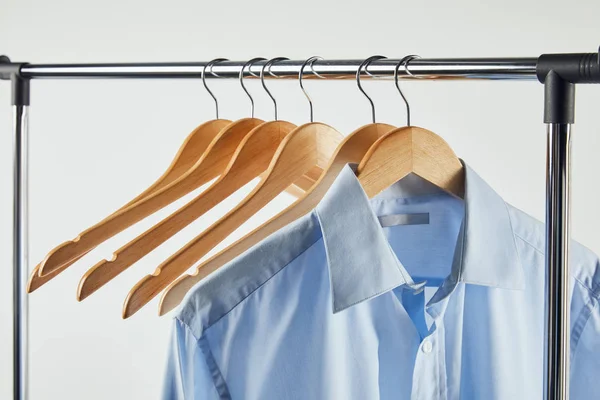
(362,265)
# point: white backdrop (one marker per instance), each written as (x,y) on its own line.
(97,144)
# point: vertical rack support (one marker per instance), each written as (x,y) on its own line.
(560,73)
(559,116)
(20,105)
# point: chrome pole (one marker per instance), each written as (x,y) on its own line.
(20,102)
(20,251)
(559,115)
(453,68)
(557,260)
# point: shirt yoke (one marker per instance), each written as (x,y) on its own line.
(585,265)
(219,293)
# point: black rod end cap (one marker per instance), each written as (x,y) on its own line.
(573,68)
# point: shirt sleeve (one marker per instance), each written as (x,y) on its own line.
(585,363)
(187,376)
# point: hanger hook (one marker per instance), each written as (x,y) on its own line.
(310,62)
(210,65)
(241,78)
(365,64)
(268,65)
(404,62)
(410,58)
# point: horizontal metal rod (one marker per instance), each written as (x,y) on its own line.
(466,68)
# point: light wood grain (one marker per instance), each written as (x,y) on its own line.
(211,164)
(351,150)
(251,158)
(411,150)
(188,154)
(302,149)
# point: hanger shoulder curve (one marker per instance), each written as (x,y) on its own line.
(190,151)
(298,152)
(250,159)
(411,150)
(208,166)
(350,150)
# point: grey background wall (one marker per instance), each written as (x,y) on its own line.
(96,144)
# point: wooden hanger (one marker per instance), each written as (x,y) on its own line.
(251,158)
(351,150)
(411,150)
(188,154)
(212,162)
(308,146)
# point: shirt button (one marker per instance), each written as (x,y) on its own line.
(427,347)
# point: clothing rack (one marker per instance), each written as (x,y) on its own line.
(558,72)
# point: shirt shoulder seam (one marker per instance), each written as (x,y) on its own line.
(529,243)
(261,285)
(218,380)
(593,292)
(189,328)
(580,326)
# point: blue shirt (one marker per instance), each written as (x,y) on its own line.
(413,294)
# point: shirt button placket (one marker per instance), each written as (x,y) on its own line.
(426,374)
